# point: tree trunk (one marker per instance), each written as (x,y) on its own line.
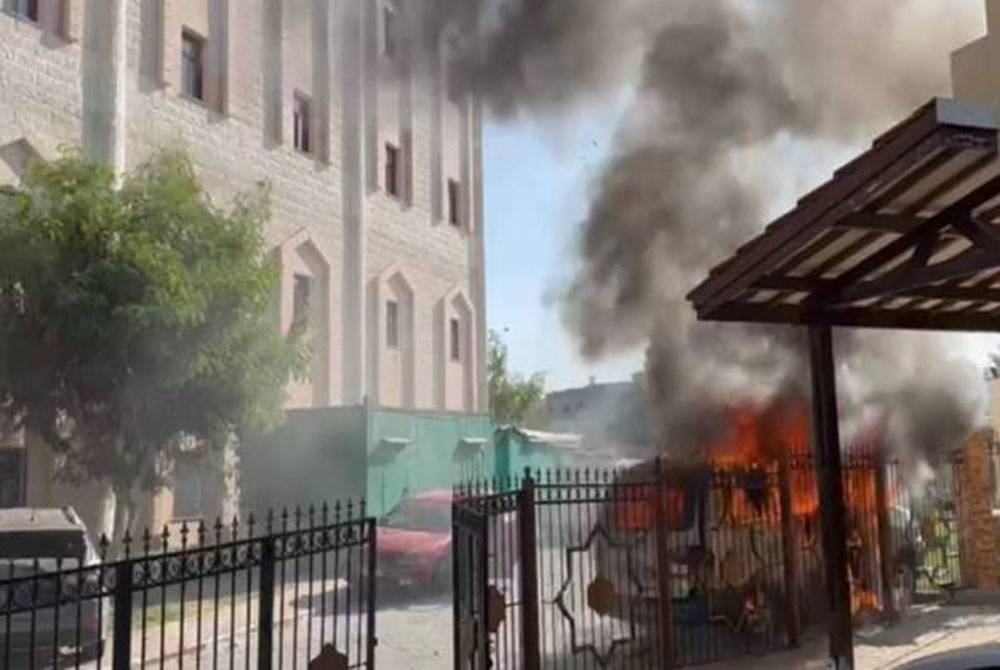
(123,519)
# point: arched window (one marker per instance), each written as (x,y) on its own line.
(392,346)
(456,353)
(305,312)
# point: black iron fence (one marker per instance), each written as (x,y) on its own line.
(275,593)
(663,565)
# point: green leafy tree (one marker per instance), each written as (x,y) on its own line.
(512,397)
(135,319)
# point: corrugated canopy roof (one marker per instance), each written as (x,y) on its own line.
(906,235)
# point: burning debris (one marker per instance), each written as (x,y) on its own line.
(726,91)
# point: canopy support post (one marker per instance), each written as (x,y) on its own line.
(831,495)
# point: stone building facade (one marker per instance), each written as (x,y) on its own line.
(344,107)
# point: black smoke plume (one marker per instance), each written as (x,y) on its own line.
(724,92)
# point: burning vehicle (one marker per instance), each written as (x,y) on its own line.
(727,515)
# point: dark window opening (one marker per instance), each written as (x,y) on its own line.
(301,299)
(27,9)
(192,65)
(456,349)
(454,193)
(392,170)
(300,123)
(13,477)
(392,324)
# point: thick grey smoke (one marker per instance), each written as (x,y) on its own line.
(540,55)
(725,90)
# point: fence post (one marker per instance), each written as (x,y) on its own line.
(789,546)
(122,655)
(528,548)
(265,615)
(371,585)
(482,583)
(886,567)
(660,518)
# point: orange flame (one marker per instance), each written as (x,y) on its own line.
(759,438)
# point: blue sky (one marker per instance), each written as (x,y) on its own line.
(537,179)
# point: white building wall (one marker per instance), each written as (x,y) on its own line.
(331,217)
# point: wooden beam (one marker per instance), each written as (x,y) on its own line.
(812,248)
(925,248)
(847,252)
(926,292)
(858,317)
(986,280)
(918,137)
(906,278)
(912,178)
(913,141)
(989,214)
(956,211)
(884,223)
(983,235)
(829,475)
(951,183)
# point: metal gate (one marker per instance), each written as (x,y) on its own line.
(468,574)
(662,566)
(276,594)
(565,570)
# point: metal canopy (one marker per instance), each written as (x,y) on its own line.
(906,235)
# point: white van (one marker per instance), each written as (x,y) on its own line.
(40,613)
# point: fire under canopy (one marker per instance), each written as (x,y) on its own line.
(904,236)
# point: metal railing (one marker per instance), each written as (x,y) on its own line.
(668,565)
(270,594)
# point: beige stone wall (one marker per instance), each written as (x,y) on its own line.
(45,105)
(331,219)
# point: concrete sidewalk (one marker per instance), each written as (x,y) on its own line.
(926,630)
(182,637)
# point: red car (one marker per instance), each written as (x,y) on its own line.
(414,542)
